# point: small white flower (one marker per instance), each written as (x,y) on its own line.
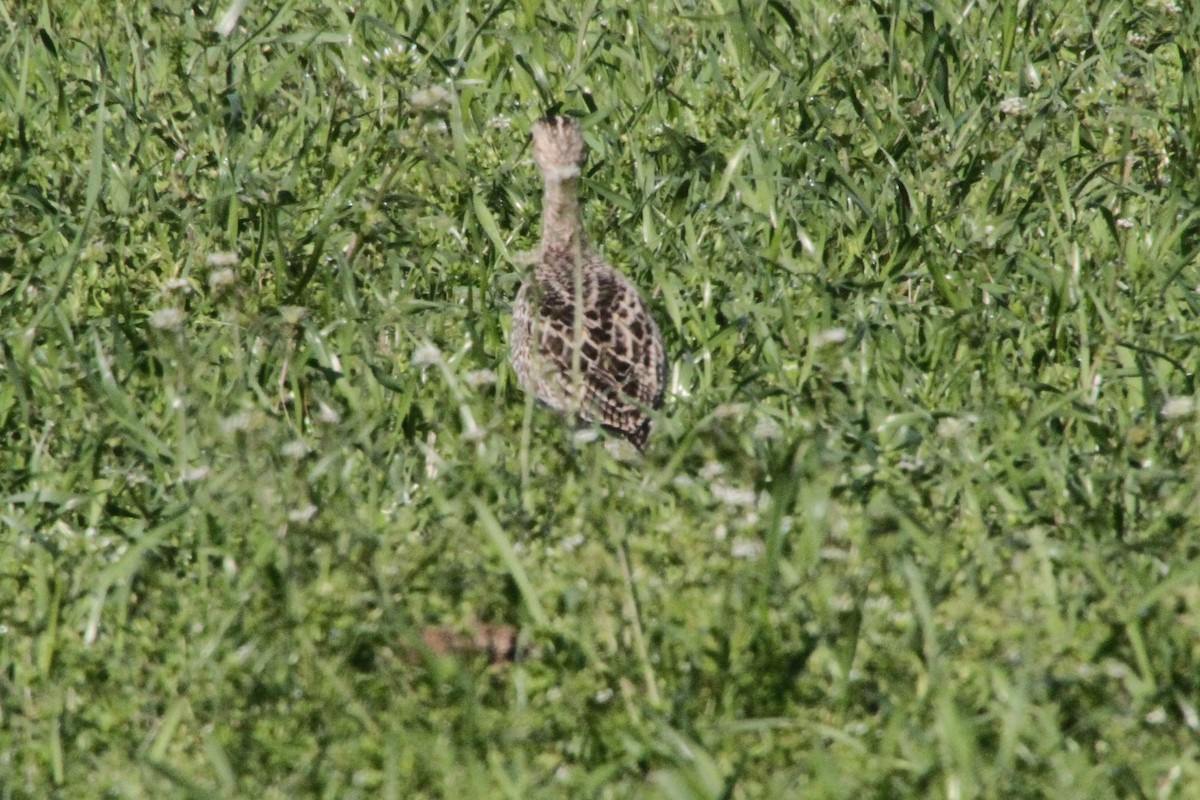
(174,284)
(292,314)
(829,337)
(167,319)
(1177,407)
(221,278)
(426,355)
(603,696)
(955,427)
(432,98)
(767,428)
(747,548)
(480,377)
(295,449)
(193,474)
(733,496)
(302,514)
(1013,106)
(328,415)
(585,436)
(236,422)
(1124,223)
(222,259)
(387,53)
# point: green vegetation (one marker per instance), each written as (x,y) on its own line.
(919,519)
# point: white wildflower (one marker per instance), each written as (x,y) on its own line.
(167,319)
(747,548)
(1013,106)
(480,377)
(193,474)
(236,422)
(955,427)
(222,259)
(328,415)
(768,428)
(432,98)
(1177,407)
(295,449)
(426,355)
(292,314)
(585,436)
(221,278)
(302,514)
(829,337)
(734,496)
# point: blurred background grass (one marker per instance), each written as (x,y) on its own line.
(919,516)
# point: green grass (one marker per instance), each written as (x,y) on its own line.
(919,518)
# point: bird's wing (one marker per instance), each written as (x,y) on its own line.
(617,351)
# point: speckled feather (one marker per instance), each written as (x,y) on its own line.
(611,369)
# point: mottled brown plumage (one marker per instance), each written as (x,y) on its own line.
(583,341)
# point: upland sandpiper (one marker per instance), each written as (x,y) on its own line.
(583,341)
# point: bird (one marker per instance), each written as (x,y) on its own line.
(583,340)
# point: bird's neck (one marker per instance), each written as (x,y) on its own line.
(562,224)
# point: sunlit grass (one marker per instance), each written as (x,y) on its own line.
(918,518)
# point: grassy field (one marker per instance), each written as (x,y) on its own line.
(919,518)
